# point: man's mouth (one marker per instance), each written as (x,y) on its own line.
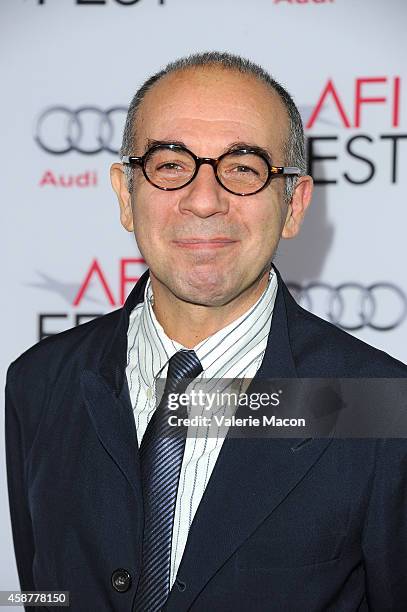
(204,243)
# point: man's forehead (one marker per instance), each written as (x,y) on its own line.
(206,85)
(212,99)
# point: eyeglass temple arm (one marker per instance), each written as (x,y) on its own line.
(290,170)
(129,159)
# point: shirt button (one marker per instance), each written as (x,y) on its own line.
(121,580)
(149,393)
(180,584)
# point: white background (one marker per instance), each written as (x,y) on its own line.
(64,54)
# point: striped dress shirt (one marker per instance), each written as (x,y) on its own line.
(234,352)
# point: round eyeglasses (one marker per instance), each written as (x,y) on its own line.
(241,171)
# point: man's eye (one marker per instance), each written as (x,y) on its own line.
(169,166)
(244,170)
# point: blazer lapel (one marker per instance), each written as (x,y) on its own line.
(112,418)
(107,398)
(250,479)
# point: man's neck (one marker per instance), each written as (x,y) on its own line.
(189,324)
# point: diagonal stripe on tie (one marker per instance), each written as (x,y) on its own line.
(161,454)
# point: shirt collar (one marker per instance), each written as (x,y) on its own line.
(153,343)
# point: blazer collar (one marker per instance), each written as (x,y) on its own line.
(114,360)
(278,361)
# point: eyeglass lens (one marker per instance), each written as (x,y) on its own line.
(237,171)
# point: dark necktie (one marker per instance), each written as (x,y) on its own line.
(161,453)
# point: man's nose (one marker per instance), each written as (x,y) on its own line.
(204,197)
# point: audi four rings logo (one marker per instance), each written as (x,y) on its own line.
(352,306)
(87,129)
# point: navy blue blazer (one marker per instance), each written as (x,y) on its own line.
(284,525)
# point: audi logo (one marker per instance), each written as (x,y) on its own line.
(87,129)
(381,306)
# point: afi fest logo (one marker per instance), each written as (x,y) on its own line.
(375,100)
(93,288)
(347,150)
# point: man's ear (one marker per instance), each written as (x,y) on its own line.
(298,206)
(119,184)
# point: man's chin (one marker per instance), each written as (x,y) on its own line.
(210,288)
(203,294)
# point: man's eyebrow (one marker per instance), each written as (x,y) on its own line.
(150,142)
(233,146)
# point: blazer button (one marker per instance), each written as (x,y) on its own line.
(180,584)
(121,580)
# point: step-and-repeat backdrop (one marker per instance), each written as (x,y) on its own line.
(69,69)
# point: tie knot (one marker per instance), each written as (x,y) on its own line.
(182,366)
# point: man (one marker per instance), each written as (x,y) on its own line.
(106,505)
